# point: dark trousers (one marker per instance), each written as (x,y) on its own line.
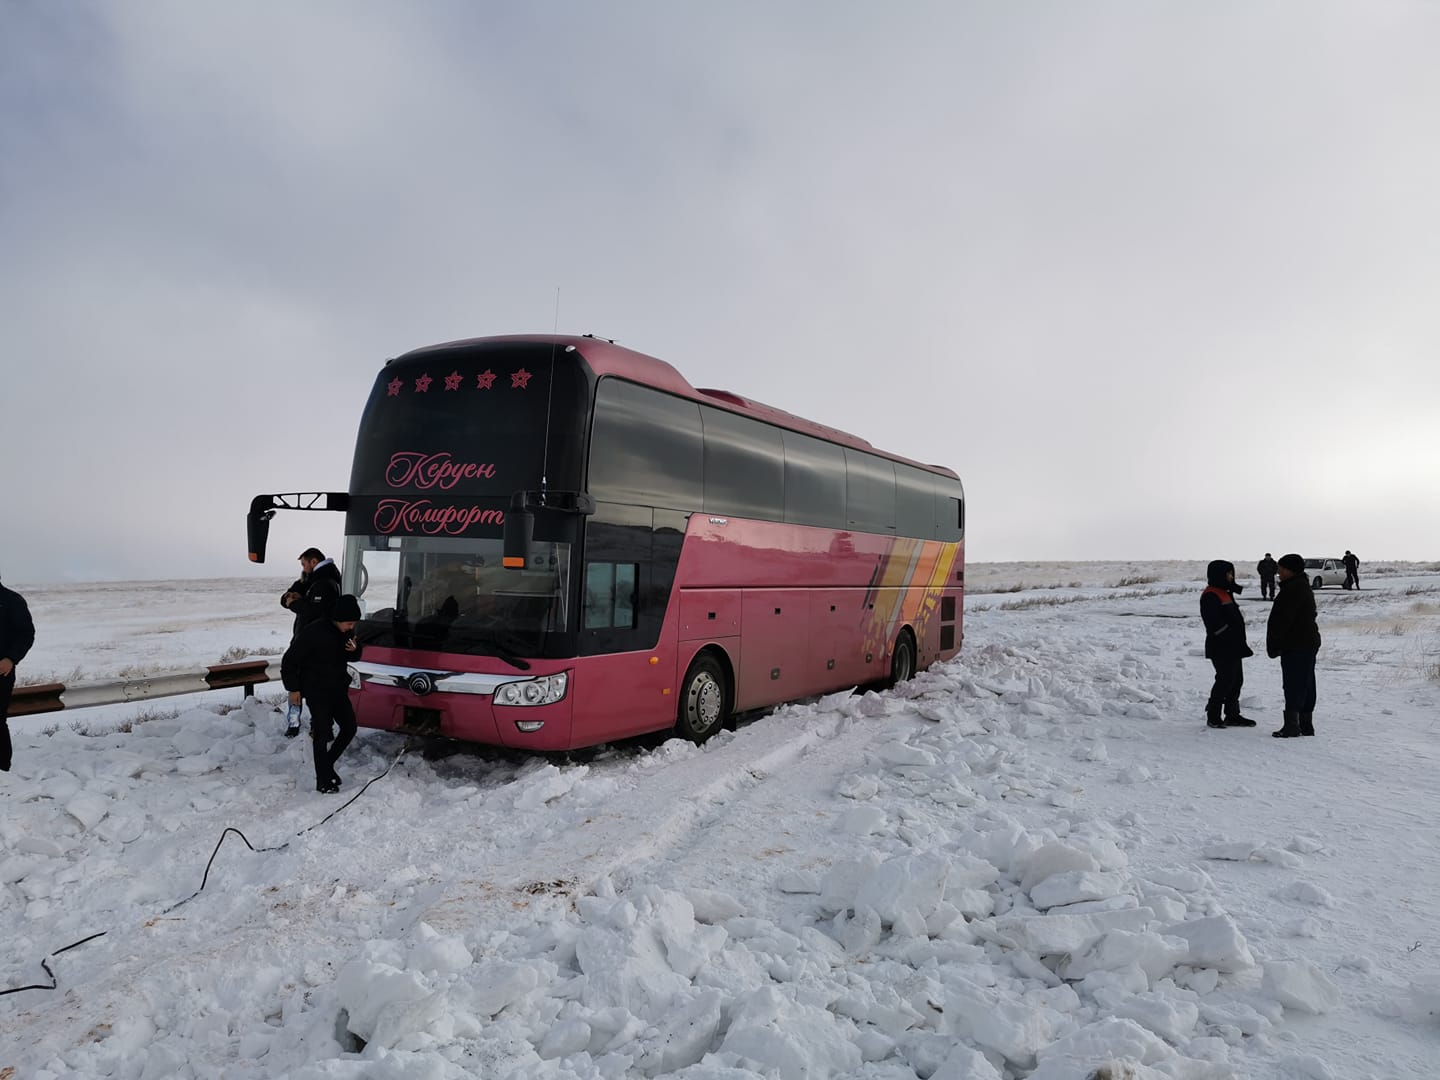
(1267,587)
(1352,578)
(1229,678)
(7,684)
(1297,674)
(326,714)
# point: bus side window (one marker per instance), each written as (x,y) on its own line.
(610,595)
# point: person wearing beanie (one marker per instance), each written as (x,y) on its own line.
(315,666)
(17,634)
(1293,637)
(310,598)
(1225,645)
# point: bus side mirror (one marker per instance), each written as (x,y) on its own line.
(257,530)
(519,530)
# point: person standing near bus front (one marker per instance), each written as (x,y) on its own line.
(1266,568)
(17,634)
(315,666)
(1293,637)
(311,598)
(1352,570)
(1225,645)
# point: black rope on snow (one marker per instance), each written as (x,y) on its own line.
(205,878)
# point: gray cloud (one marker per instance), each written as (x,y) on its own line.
(1158,282)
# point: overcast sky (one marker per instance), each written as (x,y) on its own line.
(1157,280)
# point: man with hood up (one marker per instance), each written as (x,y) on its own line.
(1293,636)
(1225,645)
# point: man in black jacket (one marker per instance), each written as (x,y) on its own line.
(315,666)
(311,597)
(17,634)
(1266,568)
(1293,636)
(1225,645)
(1352,569)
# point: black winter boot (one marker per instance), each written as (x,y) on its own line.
(1233,717)
(1307,726)
(326,782)
(1212,715)
(1291,728)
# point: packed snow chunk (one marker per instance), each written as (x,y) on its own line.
(1180,879)
(644,966)
(1154,954)
(89,808)
(1133,774)
(1280,857)
(1051,859)
(1085,1052)
(546,783)
(1075,886)
(798,881)
(1015,1031)
(1215,942)
(369,992)
(791,1041)
(906,883)
(1168,1015)
(1303,892)
(713,906)
(432,952)
(863,821)
(966,1064)
(564,1038)
(1055,935)
(1301,986)
(1229,850)
(903,754)
(858,788)
(683,1036)
(192,741)
(494,985)
(843,880)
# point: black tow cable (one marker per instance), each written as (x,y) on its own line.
(205,878)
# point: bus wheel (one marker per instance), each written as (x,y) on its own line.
(702,699)
(902,661)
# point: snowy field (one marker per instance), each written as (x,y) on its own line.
(1034,861)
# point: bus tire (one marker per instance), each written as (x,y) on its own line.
(704,699)
(902,660)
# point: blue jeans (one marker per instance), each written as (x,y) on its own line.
(1297,674)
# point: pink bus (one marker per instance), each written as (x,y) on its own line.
(558,542)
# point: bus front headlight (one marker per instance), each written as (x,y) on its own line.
(545,690)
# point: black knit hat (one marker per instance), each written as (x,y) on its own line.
(347,609)
(1294,563)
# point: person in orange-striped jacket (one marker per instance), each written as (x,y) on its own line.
(1225,645)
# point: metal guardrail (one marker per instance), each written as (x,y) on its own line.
(54,697)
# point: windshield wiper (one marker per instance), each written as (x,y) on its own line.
(506,653)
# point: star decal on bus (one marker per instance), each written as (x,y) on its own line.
(520,379)
(393,386)
(452,381)
(485,380)
(422,384)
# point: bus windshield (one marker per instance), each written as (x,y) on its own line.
(452,595)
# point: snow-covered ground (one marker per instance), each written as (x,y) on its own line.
(1031,862)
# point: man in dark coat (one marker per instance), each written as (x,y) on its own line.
(1352,570)
(311,597)
(1266,568)
(17,634)
(1293,636)
(315,667)
(1225,645)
